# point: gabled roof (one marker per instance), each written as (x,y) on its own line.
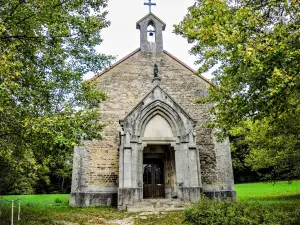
(150,14)
(186,66)
(139,49)
(114,65)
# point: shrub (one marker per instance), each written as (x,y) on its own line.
(57,201)
(236,213)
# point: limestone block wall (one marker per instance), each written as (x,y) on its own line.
(126,84)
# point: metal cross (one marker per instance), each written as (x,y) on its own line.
(149,4)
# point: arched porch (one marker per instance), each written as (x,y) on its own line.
(158,135)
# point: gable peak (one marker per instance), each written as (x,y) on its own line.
(151,37)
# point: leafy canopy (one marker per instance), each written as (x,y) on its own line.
(257,46)
(45,109)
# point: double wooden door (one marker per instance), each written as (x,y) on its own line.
(153,178)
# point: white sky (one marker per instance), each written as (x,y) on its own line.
(122,37)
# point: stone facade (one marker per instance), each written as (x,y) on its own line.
(141,113)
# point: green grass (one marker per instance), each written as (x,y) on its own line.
(268,189)
(43,209)
(280,194)
(39,200)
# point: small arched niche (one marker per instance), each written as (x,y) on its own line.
(151,32)
(158,127)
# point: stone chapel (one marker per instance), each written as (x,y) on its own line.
(156,144)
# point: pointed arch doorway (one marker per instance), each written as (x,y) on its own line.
(158,157)
(159,170)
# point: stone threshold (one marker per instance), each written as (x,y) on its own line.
(157,205)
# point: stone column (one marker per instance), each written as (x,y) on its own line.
(140,166)
(190,189)
(199,167)
(193,170)
(129,192)
(127,167)
(79,176)
(179,169)
(134,163)
(121,161)
(194,187)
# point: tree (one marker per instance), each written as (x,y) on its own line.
(45,109)
(256,43)
(239,152)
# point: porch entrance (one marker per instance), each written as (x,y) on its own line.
(153,177)
(159,176)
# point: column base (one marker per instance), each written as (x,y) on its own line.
(128,196)
(190,194)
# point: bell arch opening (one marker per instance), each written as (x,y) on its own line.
(151,34)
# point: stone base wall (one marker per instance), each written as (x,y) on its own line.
(222,195)
(190,194)
(83,199)
(128,196)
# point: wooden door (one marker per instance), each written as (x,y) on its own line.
(153,176)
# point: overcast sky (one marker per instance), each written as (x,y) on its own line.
(122,37)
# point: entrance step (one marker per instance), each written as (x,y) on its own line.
(157,205)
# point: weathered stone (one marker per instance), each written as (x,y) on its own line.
(81,199)
(144,113)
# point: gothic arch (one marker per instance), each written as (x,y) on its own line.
(157,102)
(133,142)
(157,126)
(164,110)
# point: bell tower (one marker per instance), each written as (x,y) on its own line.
(151,28)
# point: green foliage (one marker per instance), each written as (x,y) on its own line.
(225,212)
(45,108)
(256,43)
(260,146)
(239,151)
(280,199)
(57,201)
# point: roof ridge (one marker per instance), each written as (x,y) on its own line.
(139,49)
(156,17)
(188,67)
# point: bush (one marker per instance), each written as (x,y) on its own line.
(217,212)
(57,201)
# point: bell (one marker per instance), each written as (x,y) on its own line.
(151,34)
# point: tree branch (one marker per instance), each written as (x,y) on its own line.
(32,15)
(20,2)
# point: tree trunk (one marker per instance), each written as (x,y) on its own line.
(62,185)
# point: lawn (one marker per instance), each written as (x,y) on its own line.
(262,190)
(45,209)
(277,194)
(39,200)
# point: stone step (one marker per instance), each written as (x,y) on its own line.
(158,202)
(153,209)
(157,205)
